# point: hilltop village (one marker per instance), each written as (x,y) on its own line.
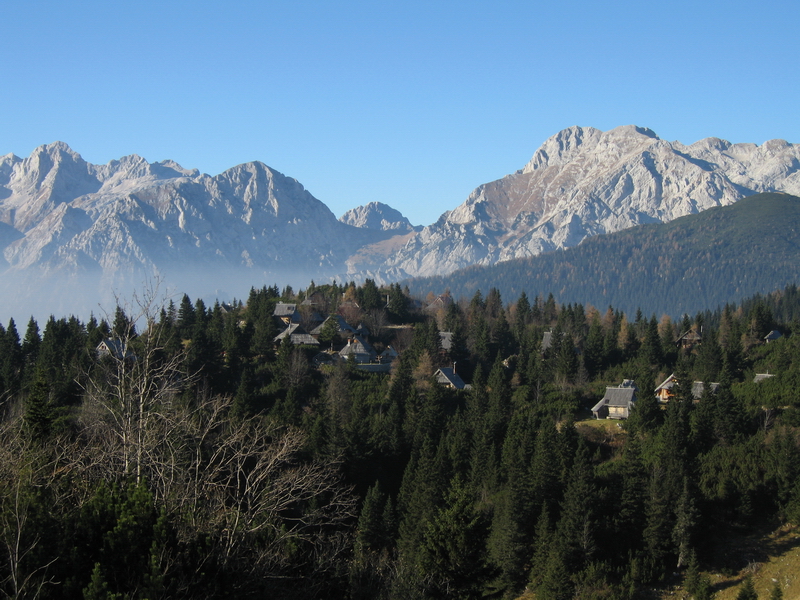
(350,441)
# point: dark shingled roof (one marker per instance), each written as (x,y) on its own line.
(297,335)
(284,310)
(447,375)
(619,396)
(360,349)
(340,322)
(623,396)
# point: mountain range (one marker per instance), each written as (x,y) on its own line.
(73,234)
(694,263)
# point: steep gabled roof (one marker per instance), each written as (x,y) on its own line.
(340,322)
(620,396)
(689,338)
(448,376)
(667,384)
(114,347)
(698,387)
(446,340)
(324,358)
(297,335)
(360,349)
(283,309)
(389,354)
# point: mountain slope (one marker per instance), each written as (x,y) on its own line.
(77,227)
(583,182)
(690,264)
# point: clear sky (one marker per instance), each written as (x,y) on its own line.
(410,103)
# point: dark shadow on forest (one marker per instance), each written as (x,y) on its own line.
(737,552)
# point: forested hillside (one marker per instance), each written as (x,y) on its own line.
(687,265)
(177,451)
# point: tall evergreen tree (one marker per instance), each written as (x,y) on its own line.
(748,590)
(453,550)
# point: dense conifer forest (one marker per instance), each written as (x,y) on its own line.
(688,265)
(175,450)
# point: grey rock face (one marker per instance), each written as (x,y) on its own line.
(120,223)
(583,182)
(70,229)
(377,216)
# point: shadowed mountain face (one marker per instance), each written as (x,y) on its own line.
(73,233)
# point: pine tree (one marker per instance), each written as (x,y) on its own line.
(398,304)
(186,318)
(503,339)
(575,531)
(629,518)
(453,552)
(541,552)
(658,529)
(523,315)
(653,353)
(370,532)
(11,358)
(594,356)
(697,584)
(748,590)
(98,587)
(556,583)
(645,415)
(686,515)
(420,495)
(776,593)
(31,343)
(38,414)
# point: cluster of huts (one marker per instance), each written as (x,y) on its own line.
(618,401)
(348,343)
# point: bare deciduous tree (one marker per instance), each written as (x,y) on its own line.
(132,383)
(24,468)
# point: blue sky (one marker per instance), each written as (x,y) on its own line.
(413,104)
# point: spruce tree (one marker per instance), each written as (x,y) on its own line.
(748,590)
(370,531)
(453,552)
(38,413)
(776,593)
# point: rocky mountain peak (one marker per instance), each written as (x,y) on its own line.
(60,214)
(568,145)
(562,147)
(102,229)
(377,216)
(583,182)
(35,185)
